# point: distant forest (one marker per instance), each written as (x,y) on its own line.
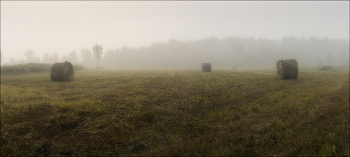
(226,52)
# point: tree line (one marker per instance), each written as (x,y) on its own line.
(226,52)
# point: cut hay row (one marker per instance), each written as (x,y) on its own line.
(62,72)
(287,69)
(206,67)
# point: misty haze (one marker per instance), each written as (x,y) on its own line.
(164,78)
(226,52)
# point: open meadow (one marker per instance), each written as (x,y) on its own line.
(176,112)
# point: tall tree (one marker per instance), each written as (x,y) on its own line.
(97,51)
(330,58)
(30,55)
(54,58)
(22,61)
(342,57)
(109,58)
(36,60)
(320,63)
(12,61)
(64,58)
(86,57)
(46,58)
(73,57)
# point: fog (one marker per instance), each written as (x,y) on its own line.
(175,34)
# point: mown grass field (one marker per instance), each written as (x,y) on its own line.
(176,113)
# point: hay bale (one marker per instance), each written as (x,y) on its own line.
(287,69)
(206,67)
(326,68)
(62,72)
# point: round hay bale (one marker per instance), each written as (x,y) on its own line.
(326,68)
(206,67)
(62,72)
(287,69)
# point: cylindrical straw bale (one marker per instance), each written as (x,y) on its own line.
(62,72)
(287,69)
(206,67)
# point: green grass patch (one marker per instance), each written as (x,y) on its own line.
(30,68)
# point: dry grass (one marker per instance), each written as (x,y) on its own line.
(176,113)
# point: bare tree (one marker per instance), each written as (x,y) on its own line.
(46,58)
(73,57)
(12,61)
(54,58)
(330,58)
(64,58)
(30,55)
(97,51)
(109,58)
(86,57)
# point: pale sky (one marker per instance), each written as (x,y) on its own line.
(51,26)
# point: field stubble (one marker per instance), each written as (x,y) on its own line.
(175,112)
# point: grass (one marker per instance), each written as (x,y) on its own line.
(30,68)
(176,113)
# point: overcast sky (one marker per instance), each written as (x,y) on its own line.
(50,26)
